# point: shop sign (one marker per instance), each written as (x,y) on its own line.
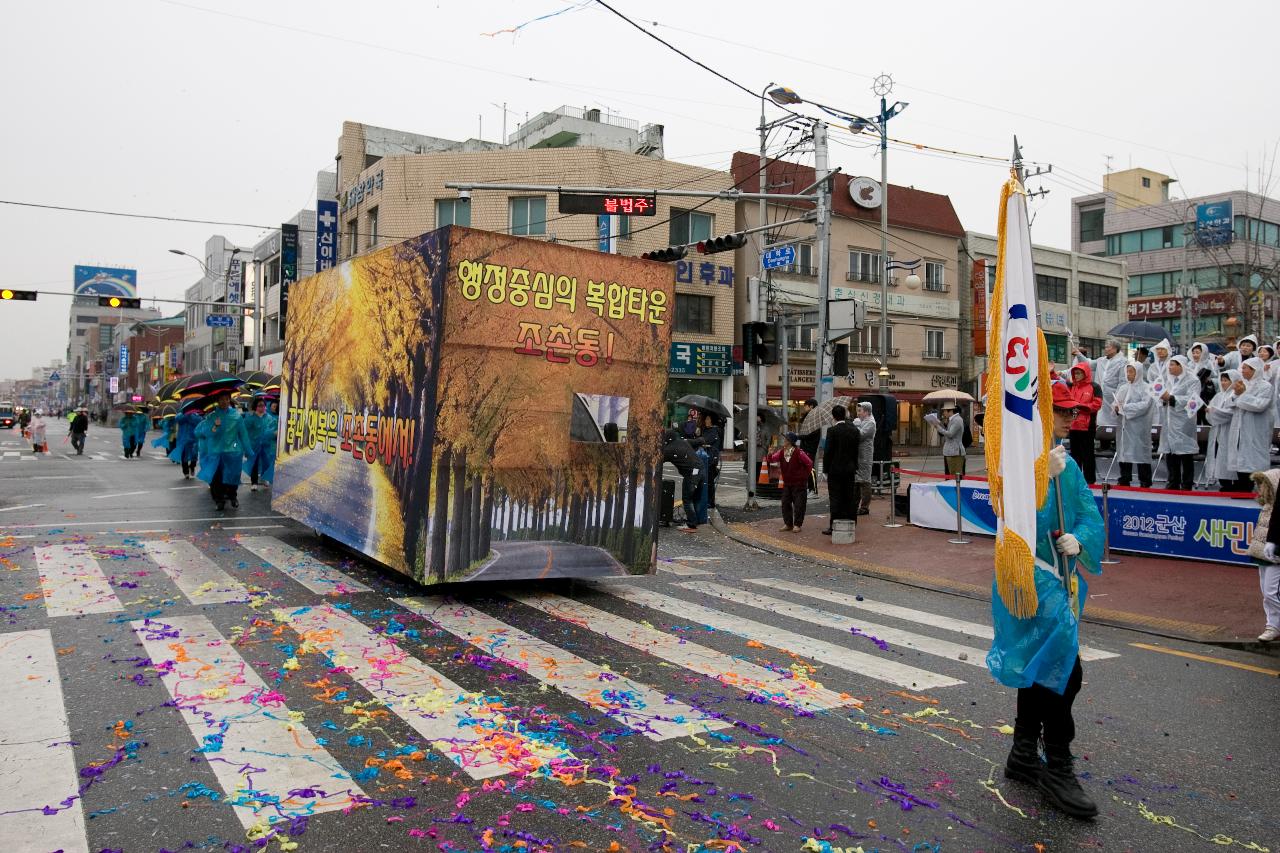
(873,380)
(1054,319)
(1171,306)
(703,272)
(944,380)
(689,359)
(978,284)
(360,191)
(902,303)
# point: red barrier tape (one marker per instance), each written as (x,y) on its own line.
(968,477)
(933,476)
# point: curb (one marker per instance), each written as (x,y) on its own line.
(1155,626)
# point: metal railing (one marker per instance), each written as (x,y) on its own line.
(865,353)
(936,354)
(936,287)
(800,269)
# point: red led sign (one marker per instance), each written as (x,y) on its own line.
(600,203)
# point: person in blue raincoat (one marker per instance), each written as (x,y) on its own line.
(223,444)
(141,423)
(261,453)
(1039,656)
(129,433)
(185,450)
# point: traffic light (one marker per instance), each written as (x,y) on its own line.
(722,244)
(840,361)
(667,255)
(760,343)
(18,295)
(119,302)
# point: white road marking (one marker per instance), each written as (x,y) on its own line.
(672,568)
(23,506)
(117,495)
(906,614)
(253,527)
(302,567)
(72,581)
(123,521)
(181,488)
(726,669)
(639,707)
(199,578)
(64,477)
(37,764)
(465,727)
(258,753)
(812,615)
(899,674)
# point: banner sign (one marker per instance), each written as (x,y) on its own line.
(701,359)
(468,405)
(978,284)
(105,281)
(288,266)
(124,358)
(1171,306)
(1213,223)
(1197,527)
(326,234)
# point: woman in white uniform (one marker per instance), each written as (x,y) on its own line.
(1136,408)
(1249,439)
(1219,414)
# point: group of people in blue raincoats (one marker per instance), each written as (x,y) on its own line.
(217,447)
(133,432)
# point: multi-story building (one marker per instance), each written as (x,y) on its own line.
(1204,268)
(924,319)
(1080,296)
(386,195)
(155,351)
(90,336)
(210,347)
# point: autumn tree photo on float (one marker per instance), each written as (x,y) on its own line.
(473,406)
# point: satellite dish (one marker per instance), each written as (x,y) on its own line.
(865,192)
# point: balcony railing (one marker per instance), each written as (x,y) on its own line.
(866,277)
(800,269)
(937,354)
(936,287)
(870,353)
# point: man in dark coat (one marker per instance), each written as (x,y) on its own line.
(79,426)
(840,465)
(809,443)
(680,453)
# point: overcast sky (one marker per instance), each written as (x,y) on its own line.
(226,109)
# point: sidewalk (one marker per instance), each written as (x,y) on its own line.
(1201,602)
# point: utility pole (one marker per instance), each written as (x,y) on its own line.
(753,311)
(823,246)
(884,238)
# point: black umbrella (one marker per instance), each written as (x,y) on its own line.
(168,410)
(209,380)
(255,378)
(703,403)
(168,390)
(1139,330)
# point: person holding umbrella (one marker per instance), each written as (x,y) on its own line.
(128,433)
(950,426)
(261,453)
(226,440)
(184,450)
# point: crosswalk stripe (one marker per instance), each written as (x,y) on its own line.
(198,577)
(469,728)
(233,714)
(725,669)
(900,674)
(37,763)
(812,615)
(648,711)
(672,568)
(72,581)
(302,567)
(906,614)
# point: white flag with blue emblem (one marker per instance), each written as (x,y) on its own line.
(1019,414)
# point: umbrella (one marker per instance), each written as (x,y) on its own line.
(168,391)
(821,416)
(1139,330)
(772,420)
(255,378)
(168,410)
(703,403)
(272,387)
(947,395)
(207,381)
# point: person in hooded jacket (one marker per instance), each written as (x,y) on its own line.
(1136,408)
(1249,439)
(1083,428)
(1158,376)
(679,452)
(1181,401)
(1199,359)
(1244,351)
(1219,413)
(184,451)
(1108,372)
(1268,560)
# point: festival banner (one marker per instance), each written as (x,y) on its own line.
(468,405)
(1195,527)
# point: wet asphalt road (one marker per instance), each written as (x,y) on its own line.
(707,707)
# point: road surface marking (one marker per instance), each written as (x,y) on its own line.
(255,750)
(673,568)
(199,578)
(302,567)
(861,663)
(23,506)
(813,616)
(126,521)
(1207,659)
(182,488)
(35,750)
(471,729)
(697,559)
(63,477)
(726,669)
(253,527)
(906,614)
(72,581)
(652,713)
(117,495)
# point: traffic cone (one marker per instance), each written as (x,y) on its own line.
(763,478)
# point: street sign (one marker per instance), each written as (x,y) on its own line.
(113,384)
(55,377)
(219,320)
(779,256)
(613,205)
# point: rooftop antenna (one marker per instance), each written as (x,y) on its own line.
(1109,158)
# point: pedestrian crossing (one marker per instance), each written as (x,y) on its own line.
(245,721)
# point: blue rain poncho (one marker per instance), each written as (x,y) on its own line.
(1043,649)
(262,445)
(185,449)
(223,443)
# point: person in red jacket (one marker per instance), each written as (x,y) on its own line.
(795,467)
(1088,399)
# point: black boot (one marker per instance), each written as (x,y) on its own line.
(1060,785)
(1024,762)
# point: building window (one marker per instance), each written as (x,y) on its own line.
(864,266)
(529,216)
(373,228)
(688,226)
(935,343)
(1091,346)
(1051,288)
(802,330)
(1097,296)
(353,232)
(804,260)
(1091,225)
(693,313)
(991,276)
(80,332)
(867,340)
(935,275)
(1146,183)
(453,211)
